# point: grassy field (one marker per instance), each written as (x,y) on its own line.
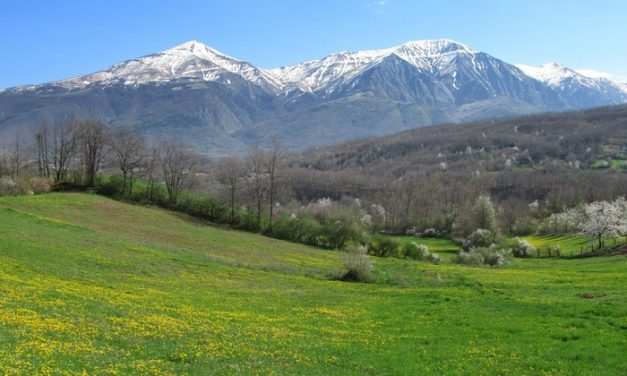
(569,245)
(92,285)
(443,247)
(615,164)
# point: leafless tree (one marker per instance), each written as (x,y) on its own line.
(229,173)
(17,156)
(151,164)
(177,164)
(42,146)
(258,176)
(274,159)
(94,135)
(128,150)
(64,139)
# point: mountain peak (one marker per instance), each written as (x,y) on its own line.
(196,48)
(437,46)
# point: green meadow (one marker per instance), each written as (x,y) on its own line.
(91,285)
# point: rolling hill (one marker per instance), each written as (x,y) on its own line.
(91,285)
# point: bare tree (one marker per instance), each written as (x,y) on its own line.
(274,159)
(150,170)
(42,146)
(4,163)
(128,150)
(17,157)
(177,164)
(64,138)
(229,173)
(94,136)
(258,174)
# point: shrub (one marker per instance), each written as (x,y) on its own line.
(7,186)
(40,185)
(358,266)
(340,228)
(521,248)
(434,258)
(284,227)
(416,251)
(20,186)
(479,238)
(111,186)
(246,220)
(308,229)
(488,256)
(526,226)
(385,247)
(551,251)
(204,207)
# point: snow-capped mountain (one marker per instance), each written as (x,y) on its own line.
(431,55)
(580,88)
(216,102)
(191,61)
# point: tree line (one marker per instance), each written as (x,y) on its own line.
(267,191)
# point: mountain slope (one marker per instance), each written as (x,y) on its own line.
(217,103)
(577,89)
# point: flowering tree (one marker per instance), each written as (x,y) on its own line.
(483,214)
(604,219)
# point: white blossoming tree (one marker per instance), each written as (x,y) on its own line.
(605,219)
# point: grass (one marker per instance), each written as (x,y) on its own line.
(614,164)
(569,245)
(443,247)
(91,285)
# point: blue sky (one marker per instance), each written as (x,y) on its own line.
(55,39)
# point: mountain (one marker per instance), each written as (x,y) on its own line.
(217,103)
(579,89)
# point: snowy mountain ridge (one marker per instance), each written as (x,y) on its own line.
(313,75)
(194,60)
(217,103)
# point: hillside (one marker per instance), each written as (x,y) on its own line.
(547,141)
(93,285)
(218,104)
(557,159)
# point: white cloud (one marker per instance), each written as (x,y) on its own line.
(377,4)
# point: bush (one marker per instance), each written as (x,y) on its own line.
(358,266)
(526,226)
(284,227)
(204,207)
(521,248)
(434,258)
(23,186)
(416,251)
(488,256)
(479,238)
(385,247)
(308,229)
(340,228)
(551,251)
(7,186)
(40,185)
(246,220)
(111,186)
(301,227)
(420,252)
